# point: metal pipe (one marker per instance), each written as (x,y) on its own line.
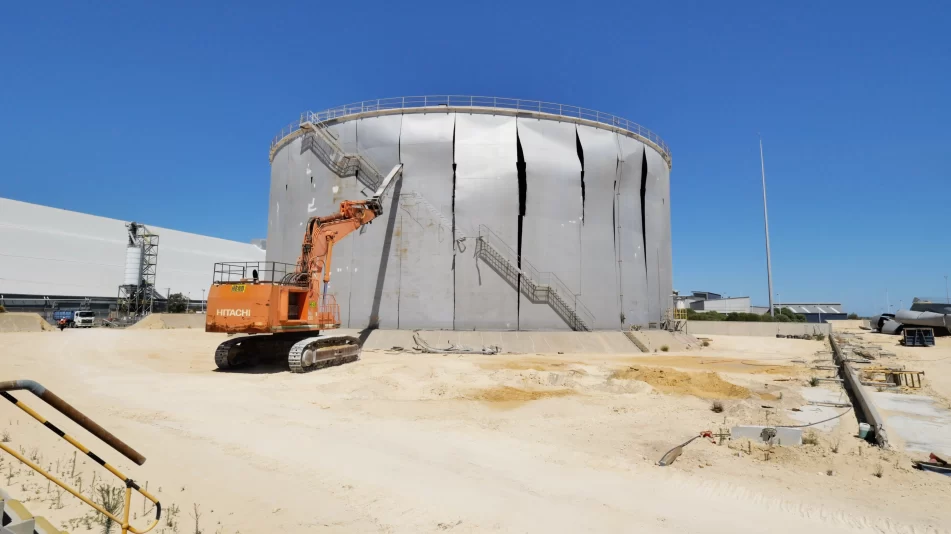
(769,267)
(75,415)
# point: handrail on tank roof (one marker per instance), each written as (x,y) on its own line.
(457,101)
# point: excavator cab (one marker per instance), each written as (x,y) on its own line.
(272,300)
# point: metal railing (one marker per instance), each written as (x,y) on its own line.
(77,417)
(274,272)
(341,163)
(410,102)
(541,281)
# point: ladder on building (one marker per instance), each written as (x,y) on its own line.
(538,287)
(323,144)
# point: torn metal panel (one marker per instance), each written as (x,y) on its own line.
(654,226)
(635,304)
(658,235)
(924,318)
(599,281)
(375,269)
(551,227)
(426,250)
(486,193)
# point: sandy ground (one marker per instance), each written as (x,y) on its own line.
(407,443)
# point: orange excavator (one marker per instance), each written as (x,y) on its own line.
(284,306)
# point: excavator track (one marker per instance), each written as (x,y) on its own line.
(318,352)
(235,353)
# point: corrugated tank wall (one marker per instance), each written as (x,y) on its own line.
(584,203)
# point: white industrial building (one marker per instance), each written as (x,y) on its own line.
(49,253)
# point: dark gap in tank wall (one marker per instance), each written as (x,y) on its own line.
(453,223)
(618,271)
(581,159)
(522,193)
(643,212)
(617,166)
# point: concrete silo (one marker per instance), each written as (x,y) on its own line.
(511,215)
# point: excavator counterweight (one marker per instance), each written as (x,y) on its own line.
(285,306)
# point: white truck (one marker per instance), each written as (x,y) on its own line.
(84,319)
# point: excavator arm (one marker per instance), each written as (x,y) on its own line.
(292,311)
(323,232)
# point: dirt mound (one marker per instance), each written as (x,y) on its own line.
(703,385)
(162,321)
(23,322)
(510,397)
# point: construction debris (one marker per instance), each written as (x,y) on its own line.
(423,346)
(891,377)
(670,456)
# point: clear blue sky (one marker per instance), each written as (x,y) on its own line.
(164,115)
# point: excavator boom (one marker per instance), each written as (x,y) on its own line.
(292,304)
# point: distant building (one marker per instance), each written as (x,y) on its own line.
(723,305)
(817,312)
(56,260)
(705,301)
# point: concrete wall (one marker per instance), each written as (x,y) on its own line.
(49,251)
(739,328)
(405,272)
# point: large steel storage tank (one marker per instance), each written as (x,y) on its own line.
(511,215)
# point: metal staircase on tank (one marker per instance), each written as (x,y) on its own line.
(538,287)
(323,143)
(459,238)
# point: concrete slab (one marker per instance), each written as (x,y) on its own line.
(916,420)
(784,436)
(810,413)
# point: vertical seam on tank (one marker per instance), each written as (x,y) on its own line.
(453,210)
(618,256)
(399,245)
(522,176)
(647,277)
(580,148)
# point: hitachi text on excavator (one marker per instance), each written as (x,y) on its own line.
(284,307)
